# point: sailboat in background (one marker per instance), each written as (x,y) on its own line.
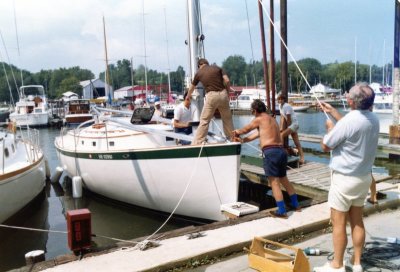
(22,170)
(141,164)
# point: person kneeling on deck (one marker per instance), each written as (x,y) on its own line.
(275,157)
(183,116)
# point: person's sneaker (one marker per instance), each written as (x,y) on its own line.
(354,268)
(328,268)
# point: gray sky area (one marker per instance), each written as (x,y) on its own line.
(66,33)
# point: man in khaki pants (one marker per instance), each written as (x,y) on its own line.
(216,84)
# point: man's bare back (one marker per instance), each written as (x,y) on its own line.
(268,130)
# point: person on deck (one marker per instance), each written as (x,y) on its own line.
(183,115)
(157,109)
(275,157)
(289,125)
(353,141)
(216,84)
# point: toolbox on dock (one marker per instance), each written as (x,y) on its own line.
(262,258)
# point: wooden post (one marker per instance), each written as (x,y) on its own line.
(394,130)
(272,55)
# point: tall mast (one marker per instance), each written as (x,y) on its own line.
(355,60)
(195,42)
(272,54)
(169,68)
(145,52)
(106,75)
(384,63)
(264,53)
(195,36)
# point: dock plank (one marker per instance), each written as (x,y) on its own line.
(311,179)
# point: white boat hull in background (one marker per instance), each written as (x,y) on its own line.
(32,119)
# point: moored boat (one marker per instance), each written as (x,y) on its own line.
(22,172)
(141,164)
(77,111)
(31,108)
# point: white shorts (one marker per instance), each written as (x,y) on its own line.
(294,127)
(347,191)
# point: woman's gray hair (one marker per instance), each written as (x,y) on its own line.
(362,95)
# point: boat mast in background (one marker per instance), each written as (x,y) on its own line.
(355,60)
(145,52)
(384,63)
(169,68)
(106,75)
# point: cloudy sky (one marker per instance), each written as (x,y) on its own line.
(66,33)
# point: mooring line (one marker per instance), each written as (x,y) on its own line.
(179,202)
(290,53)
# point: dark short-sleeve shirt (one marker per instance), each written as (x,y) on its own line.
(211,78)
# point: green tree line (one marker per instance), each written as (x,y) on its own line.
(336,75)
(57,81)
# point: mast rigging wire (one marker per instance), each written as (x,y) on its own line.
(291,55)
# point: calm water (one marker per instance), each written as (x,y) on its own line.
(108,218)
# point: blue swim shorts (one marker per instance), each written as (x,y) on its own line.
(275,162)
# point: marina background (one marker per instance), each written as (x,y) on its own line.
(113,219)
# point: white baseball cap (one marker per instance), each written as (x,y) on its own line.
(157,103)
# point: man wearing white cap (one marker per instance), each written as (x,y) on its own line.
(157,111)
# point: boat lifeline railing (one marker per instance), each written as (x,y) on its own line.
(31,139)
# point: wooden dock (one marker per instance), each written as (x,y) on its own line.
(311,179)
(383,143)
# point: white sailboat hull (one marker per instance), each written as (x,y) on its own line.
(156,177)
(19,187)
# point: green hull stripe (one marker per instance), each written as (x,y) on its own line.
(179,153)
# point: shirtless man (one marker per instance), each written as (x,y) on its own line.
(275,157)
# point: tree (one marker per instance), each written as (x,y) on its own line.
(235,67)
(69,84)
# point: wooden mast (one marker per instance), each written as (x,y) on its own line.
(106,75)
(264,53)
(272,55)
(284,67)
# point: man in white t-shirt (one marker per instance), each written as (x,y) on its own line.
(289,125)
(183,115)
(353,141)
